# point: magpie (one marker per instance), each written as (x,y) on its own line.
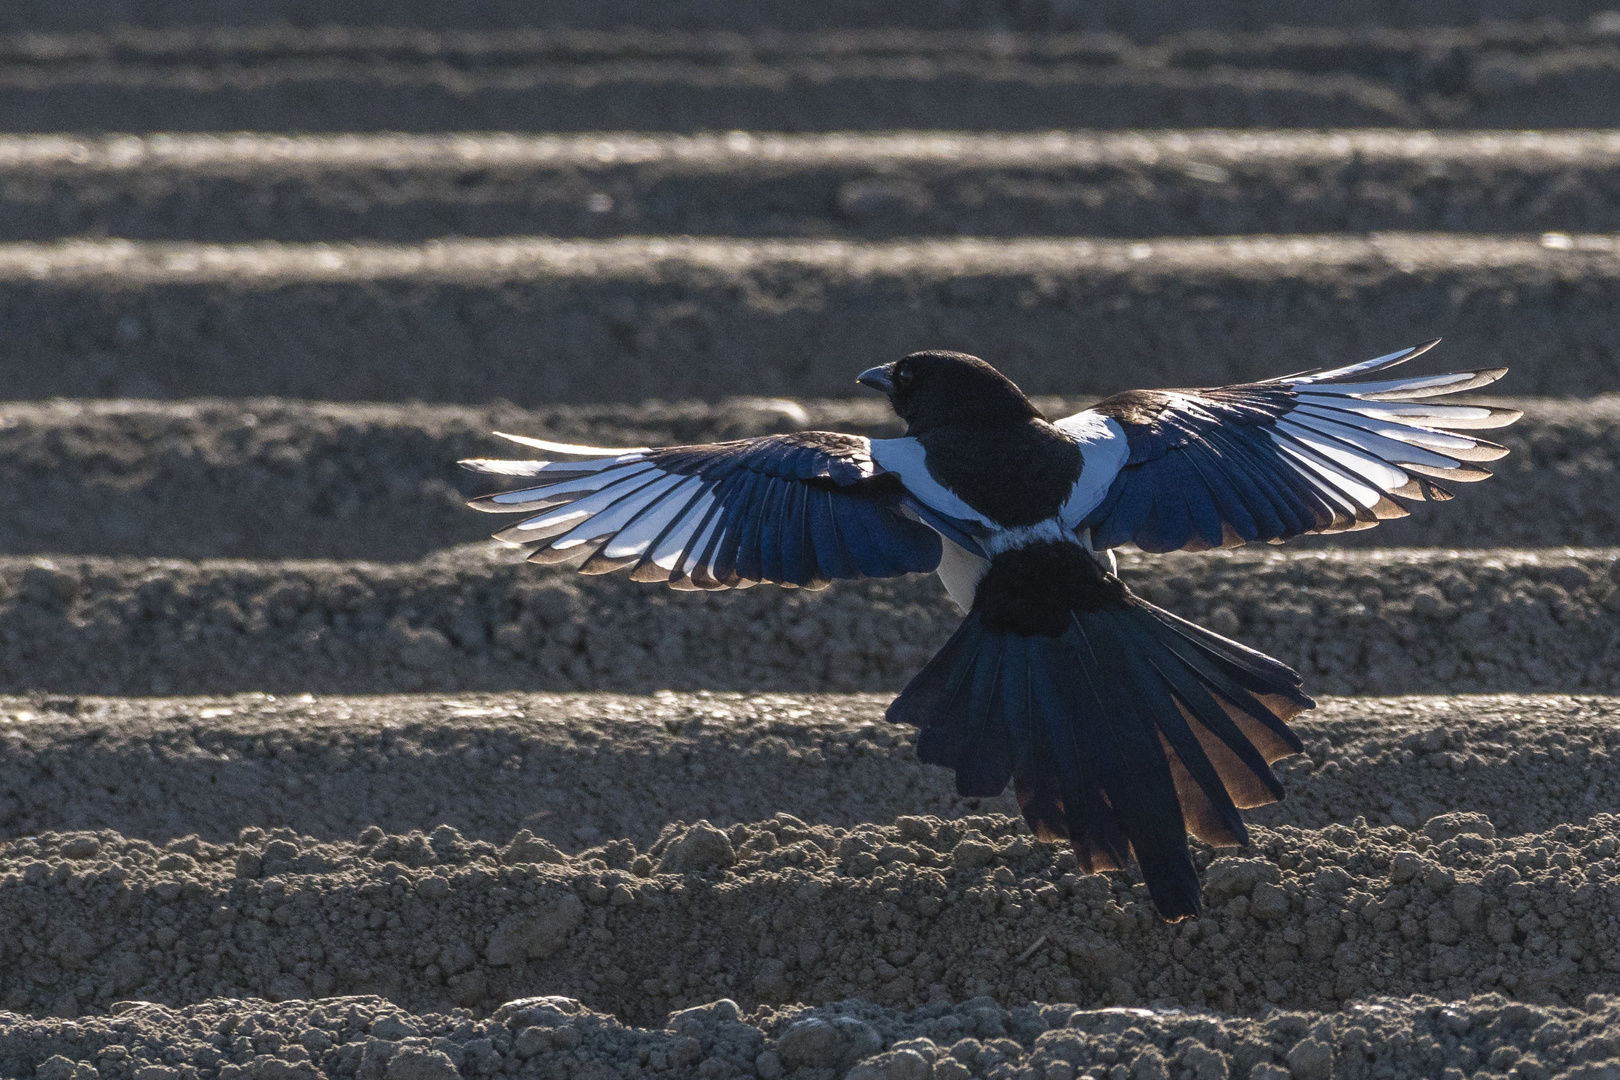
(1121,727)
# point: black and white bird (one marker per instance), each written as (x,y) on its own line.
(1122,727)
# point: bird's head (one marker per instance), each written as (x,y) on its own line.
(932,389)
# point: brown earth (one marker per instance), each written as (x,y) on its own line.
(477,618)
(763,884)
(553,1036)
(775,911)
(542,322)
(579,769)
(1136,20)
(248,187)
(925,947)
(1515,75)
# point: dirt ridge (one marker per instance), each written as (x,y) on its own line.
(365,1036)
(1375,621)
(397,188)
(354,78)
(578,769)
(778,910)
(1137,20)
(539,321)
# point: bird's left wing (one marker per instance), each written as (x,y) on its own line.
(799,510)
(1318,452)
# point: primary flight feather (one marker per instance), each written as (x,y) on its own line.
(1121,727)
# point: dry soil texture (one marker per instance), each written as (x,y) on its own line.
(1480,939)
(268,478)
(249,187)
(477,618)
(543,321)
(320,77)
(483,863)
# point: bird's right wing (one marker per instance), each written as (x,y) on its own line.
(799,510)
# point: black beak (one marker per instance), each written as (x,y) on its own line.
(878,378)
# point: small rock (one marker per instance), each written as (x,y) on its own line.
(81,847)
(1149,1065)
(723,1010)
(895,1065)
(1446,826)
(1202,1062)
(393,1028)
(703,847)
(1237,877)
(1268,901)
(972,851)
(58,1067)
(529,848)
(422,1063)
(819,1044)
(531,1041)
(1311,1059)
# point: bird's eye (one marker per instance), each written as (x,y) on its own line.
(902,377)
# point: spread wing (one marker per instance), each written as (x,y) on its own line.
(1317,452)
(798,510)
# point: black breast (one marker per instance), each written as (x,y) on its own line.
(1013,474)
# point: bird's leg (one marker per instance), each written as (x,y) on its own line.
(1105,557)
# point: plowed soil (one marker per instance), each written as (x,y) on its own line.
(954,906)
(543,322)
(303,779)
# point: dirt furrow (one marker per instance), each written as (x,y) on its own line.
(577,770)
(540,321)
(368,1036)
(380,78)
(185,19)
(1377,621)
(265,478)
(779,910)
(322,94)
(1141,184)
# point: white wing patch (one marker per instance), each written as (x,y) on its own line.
(906,458)
(1223,466)
(1103,452)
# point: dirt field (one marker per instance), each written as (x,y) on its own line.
(538,321)
(301,779)
(814,905)
(321,77)
(248,187)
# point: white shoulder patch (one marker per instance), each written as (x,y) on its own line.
(1103,452)
(906,458)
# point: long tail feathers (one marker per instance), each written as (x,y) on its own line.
(1122,734)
